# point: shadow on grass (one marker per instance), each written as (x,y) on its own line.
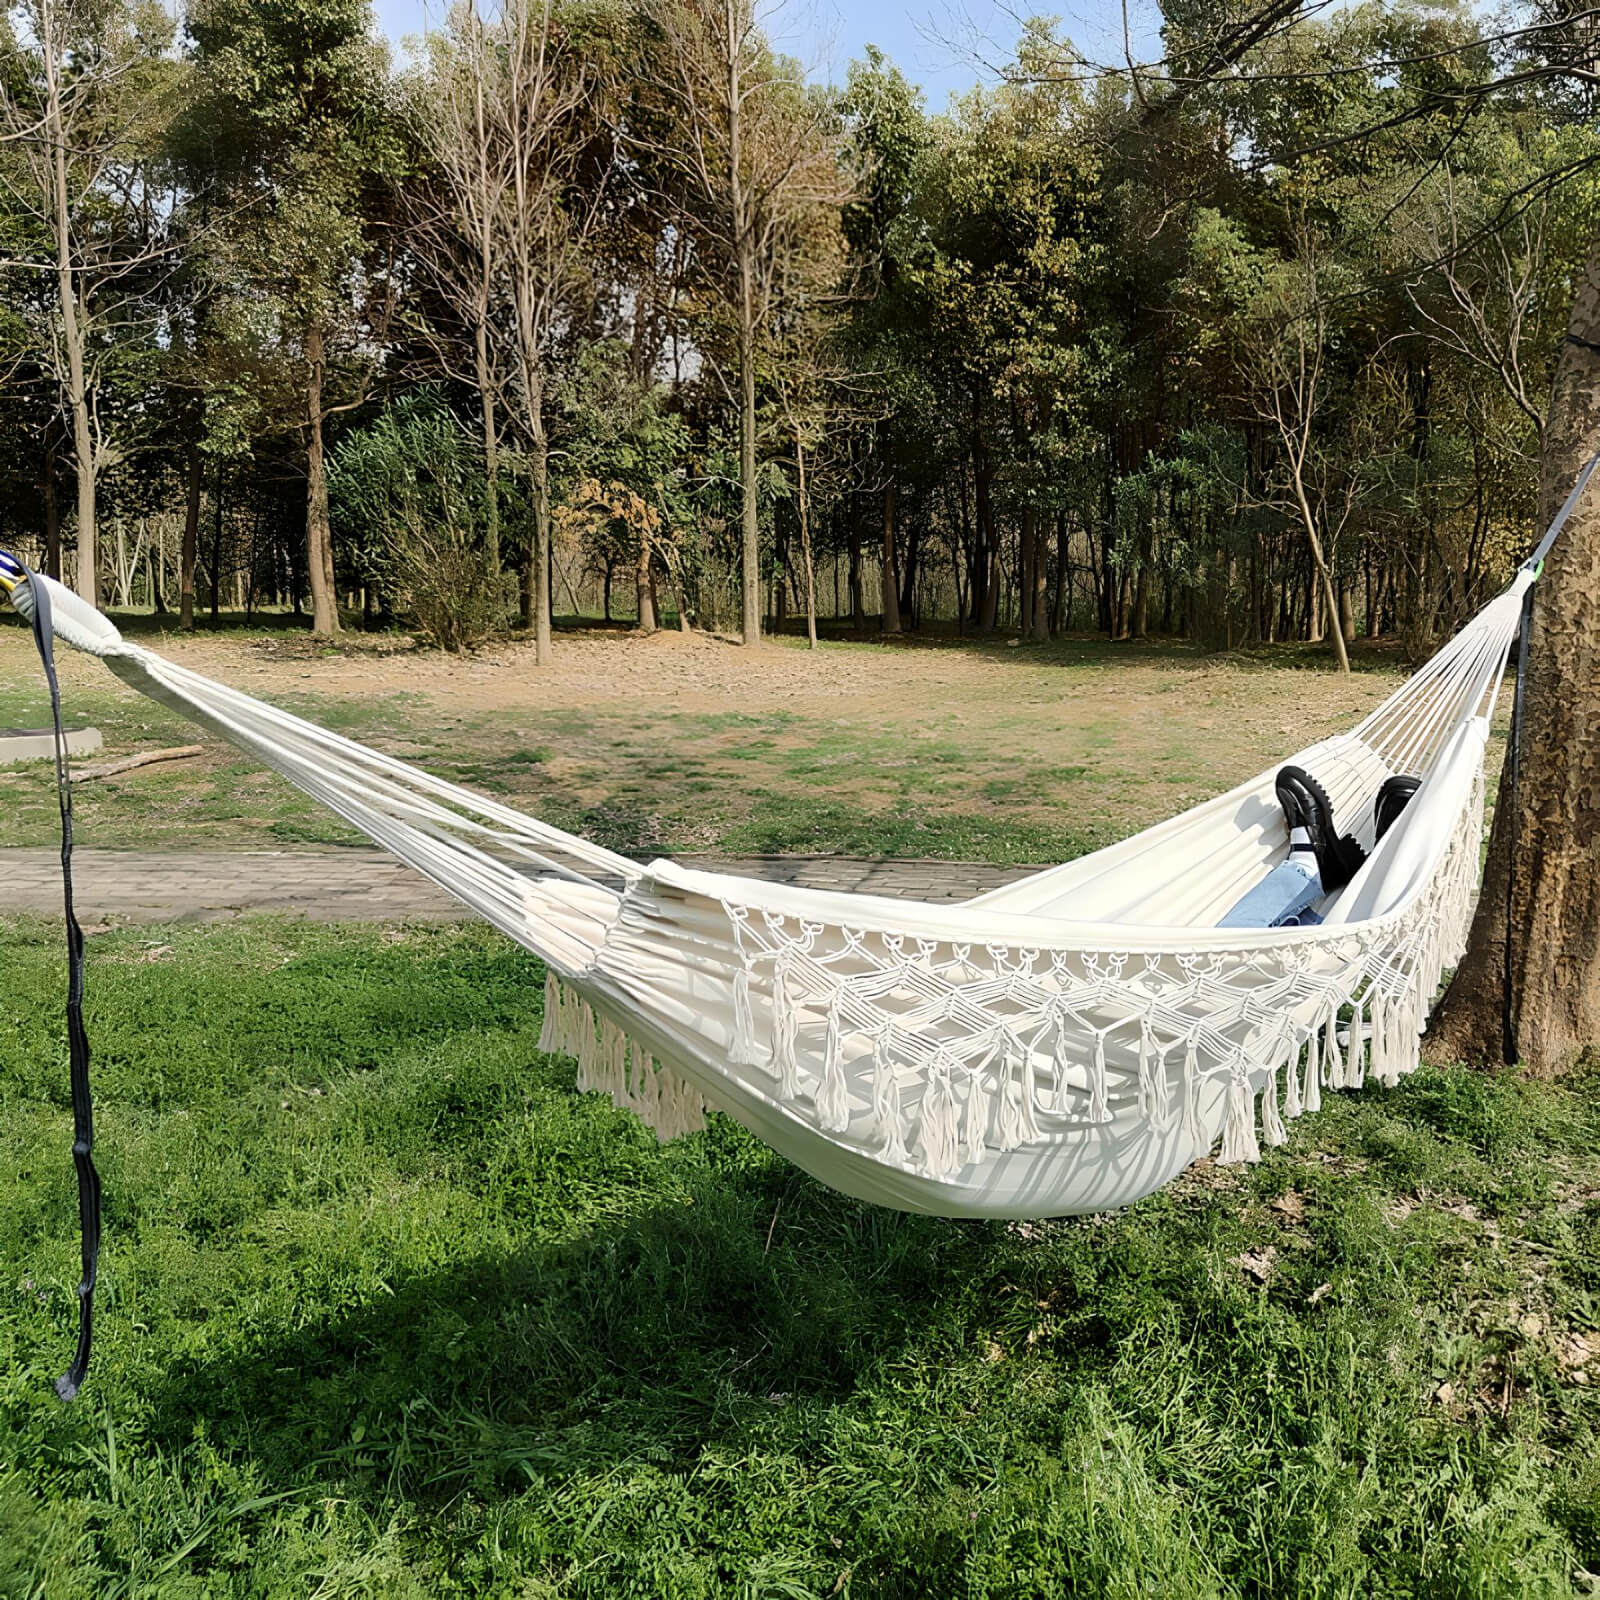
(685,1326)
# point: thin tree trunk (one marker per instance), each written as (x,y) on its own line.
(319,533)
(190,551)
(536,578)
(491,451)
(644,589)
(749,520)
(805,543)
(52,517)
(891,569)
(1553,880)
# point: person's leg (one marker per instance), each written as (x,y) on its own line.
(1288,891)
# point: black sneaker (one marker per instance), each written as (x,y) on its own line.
(1306,805)
(1393,796)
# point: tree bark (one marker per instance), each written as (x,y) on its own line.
(191,542)
(891,566)
(491,449)
(72,338)
(644,589)
(805,542)
(52,517)
(1041,579)
(749,519)
(536,576)
(1553,881)
(319,532)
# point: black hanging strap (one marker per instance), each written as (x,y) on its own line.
(68,1384)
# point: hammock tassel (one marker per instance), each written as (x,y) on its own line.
(886,1107)
(1239,1131)
(612,1043)
(1099,1093)
(644,1100)
(1147,1086)
(833,1096)
(1063,1063)
(937,1134)
(1311,1093)
(1291,1078)
(743,1053)
(1332,1061)
(586,1044)
(1356,1061)
(1161,1092)
(1272,1129)
(979,1105)
(1382,1017)
(1193,1134)
(549,1031)
(785,1027)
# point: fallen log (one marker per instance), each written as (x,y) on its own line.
(110,769)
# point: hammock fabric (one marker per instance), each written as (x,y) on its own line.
(1066,1044)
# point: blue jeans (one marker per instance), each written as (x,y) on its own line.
(1282,899)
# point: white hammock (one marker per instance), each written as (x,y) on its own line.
(1063,1045)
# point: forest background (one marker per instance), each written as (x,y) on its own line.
(603,309)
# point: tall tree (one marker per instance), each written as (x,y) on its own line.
(751,151)
(1528,988)
(549,104)
(291,131)
(454,210)
(84,102)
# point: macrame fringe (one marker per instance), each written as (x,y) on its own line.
(550,1030)
(1192,1131)
(654,1093)
(1099,1089)
(1063,1063)
(1239,1126)
(833,1097)
(979,1107)
(785,1027)
(887,1112)
(1292,1104)
(1272,1129)
(743,1053)
(937,1131)
(1147,1088)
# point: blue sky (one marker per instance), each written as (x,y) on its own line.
(937,43)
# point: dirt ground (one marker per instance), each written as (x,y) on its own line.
(981,751)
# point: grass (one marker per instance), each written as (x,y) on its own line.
(992,753)
(389,1310)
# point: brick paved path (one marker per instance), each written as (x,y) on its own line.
(121,886)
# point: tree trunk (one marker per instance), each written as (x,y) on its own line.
(749,520)
(644,589)
(858,599)
(987,598)
(319,533)
(52,518)
(1554,876)
(73,338)
(191,542)
(805,543)
(1039,605)
(891,567)
(537,577)
(491,451)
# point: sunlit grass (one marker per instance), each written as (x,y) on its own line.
(389,1310)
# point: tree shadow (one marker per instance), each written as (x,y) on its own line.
(649,1338)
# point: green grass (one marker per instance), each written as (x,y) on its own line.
(389,1310)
